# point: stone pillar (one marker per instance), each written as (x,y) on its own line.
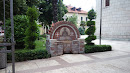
(81,49)
(53,47)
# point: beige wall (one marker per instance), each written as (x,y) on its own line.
(41,30)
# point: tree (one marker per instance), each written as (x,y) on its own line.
(83,23)
(20,8)
(46,15)
(62,10)
(31,32)
(91,30)
(73,19)
(31,3)
(20,26)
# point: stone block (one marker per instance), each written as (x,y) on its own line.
(81,41)
(75,46)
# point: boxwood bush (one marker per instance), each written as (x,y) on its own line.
(81,30)
(29,55)
(97,48)
(91,30)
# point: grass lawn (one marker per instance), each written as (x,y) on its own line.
(40,44)
(30,54)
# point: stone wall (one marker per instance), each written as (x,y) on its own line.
(64,37)
(115,19)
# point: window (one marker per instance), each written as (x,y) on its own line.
(86,19)
(107,2)
(81,18)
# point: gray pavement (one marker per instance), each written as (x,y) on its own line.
(116,61)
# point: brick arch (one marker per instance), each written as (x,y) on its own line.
(61,24)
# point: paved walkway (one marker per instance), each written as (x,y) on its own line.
(116,61)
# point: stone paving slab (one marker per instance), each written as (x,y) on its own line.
(116,61)
(100,67)
(72,58)
(47,63)
(109,54)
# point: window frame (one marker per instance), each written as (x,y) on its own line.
(81,18)
(107,3)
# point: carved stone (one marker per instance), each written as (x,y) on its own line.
(64,37)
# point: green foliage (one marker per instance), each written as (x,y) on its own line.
(29,55)
(91,30)
(32,13)
(91,14)
(30,3)
(62,10)
(46,15)
(81,30)
(89,39)
(20,26)
(97,48)
(31,32)
(73,19)
(26,54)
(83,23)
(20,8)
(90,23)
(39,25)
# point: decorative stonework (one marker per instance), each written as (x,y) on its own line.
(64,37)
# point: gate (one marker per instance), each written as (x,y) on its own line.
(8,41)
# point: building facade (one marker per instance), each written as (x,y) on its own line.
(81,14)
(115,19)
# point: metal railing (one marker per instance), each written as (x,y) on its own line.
(12,43)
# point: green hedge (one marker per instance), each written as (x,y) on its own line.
(29,55)
(97,48)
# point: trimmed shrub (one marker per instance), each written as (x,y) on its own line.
(90,23)
(32,30)
(91,30)
(97,48)
(81,30)
(23,55)
(89,39)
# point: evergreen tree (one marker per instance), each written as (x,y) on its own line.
(20,26)
(91,30)
(19,7)
(31,32)
(31,3)
(46,15)
(62,10)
